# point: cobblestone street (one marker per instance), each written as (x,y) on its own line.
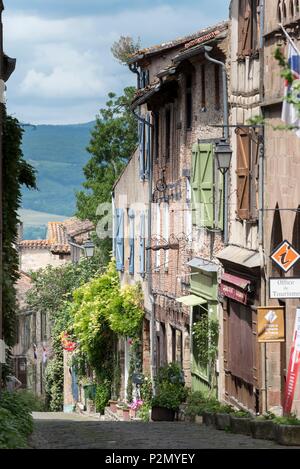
(72,431)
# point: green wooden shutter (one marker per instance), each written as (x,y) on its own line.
(206,184)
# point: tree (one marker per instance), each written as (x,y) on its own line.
(113,140)
(16,172)
(124,48)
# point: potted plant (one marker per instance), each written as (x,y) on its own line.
(170,393)
(263,427)
(209,410)
(222,417)
(287,430)
(113,405)
(240,422)
(194,407)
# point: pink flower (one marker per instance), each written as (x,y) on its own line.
(130,341)
(136,404)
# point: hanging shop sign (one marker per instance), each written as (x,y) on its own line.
(293,370)
(236,288)
(282,288)
(271,324)
(285,256)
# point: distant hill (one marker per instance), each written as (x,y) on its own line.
(58,152)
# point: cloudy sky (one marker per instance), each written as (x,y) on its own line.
(64,65)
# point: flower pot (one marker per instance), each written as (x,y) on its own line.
(113,406)
(132,413)
(263,429)
(162,414)
(222,421)
(288,435)
(209,419)
(126,416)
(241,425)
(120,411)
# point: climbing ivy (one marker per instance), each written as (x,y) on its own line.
(205,339)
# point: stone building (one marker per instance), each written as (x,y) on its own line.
(179,99)
(33,347)
(281,188)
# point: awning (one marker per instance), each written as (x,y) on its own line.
(238,281)
(191,300)
(203,264)
(241,256)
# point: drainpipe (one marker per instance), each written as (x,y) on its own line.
(263,350)
(133,68)
(225,132)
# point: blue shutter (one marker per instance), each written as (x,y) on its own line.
(142,245)
(148,146)
(120,239)
(142,148)
(131,242)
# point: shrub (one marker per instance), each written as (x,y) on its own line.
(16,422)
(288,420)
(143,412)
(102,396)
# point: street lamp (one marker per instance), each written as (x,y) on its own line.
(89,248)
(223,154)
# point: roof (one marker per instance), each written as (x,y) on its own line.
(189,41)
(58,234)
(242,256)
(203,264)
(191,46)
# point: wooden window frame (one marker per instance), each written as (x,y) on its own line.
(203,88)
(248,28)
(189,101)
(168,132)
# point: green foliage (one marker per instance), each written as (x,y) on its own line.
(205,338)
(170,390)
(16,172)
(287,420)
(113,141)
(52,293)
(144,412)
(102,395)
(146,390)
(242,414)
(16,422)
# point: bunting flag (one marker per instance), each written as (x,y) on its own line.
(290,114)
(293,370)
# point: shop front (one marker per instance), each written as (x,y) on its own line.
(240,290)
(203,302)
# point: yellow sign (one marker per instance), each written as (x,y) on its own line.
(271,324)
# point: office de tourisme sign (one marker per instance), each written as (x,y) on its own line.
(281,288)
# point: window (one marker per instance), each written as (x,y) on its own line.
(119,240)
(141,129)
(166,233)
(26,332)
(168,132)
(157,253)
(291,12)
(203,89)
(247,175)
(203,185)
(156,136)
(248,27)
(142,245)
(217,87)
(131,241)
(43,326)
(189,102)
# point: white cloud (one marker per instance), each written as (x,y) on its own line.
(60,60)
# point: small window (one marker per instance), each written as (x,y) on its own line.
(291,8)
(203,89)
(168,133)
(189,102)
(284,11)
(217,88)
(156,136)
(43,326)
(248,27)
(279,12)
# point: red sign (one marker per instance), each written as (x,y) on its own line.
(293,369)
(234,293)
